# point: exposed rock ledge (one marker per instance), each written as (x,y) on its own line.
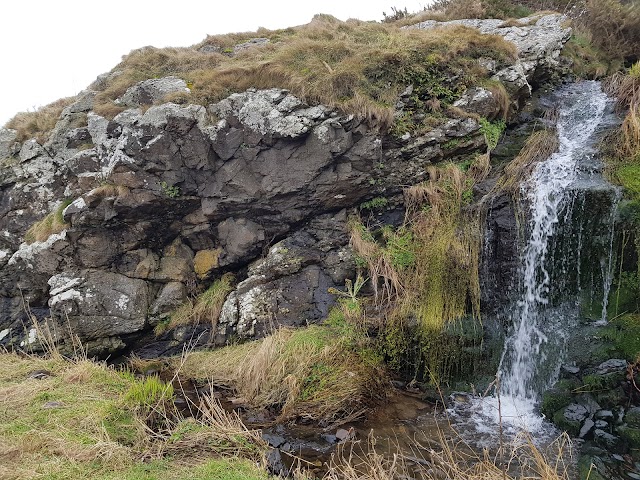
(163,200)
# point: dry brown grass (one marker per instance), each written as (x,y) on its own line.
(302,373)
(359,67)
(453,459)
(205,308)
(39,123)
(108,190)
(538,147)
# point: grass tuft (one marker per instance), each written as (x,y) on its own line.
(314,373)
(52,223)
(39,123)
(205,308)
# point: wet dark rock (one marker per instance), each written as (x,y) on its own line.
(571,369)
(273,440)
(614,365)
(604,415)
(575,412)
(274,462)
(608,441)
(329,438)
(586,428)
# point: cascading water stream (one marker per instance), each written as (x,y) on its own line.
(552,261)
(547,194)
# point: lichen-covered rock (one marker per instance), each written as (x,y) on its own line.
(539,40)
(99,304)
(289,287)
(151,91)
(7,140)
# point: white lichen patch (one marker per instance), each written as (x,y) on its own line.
(66,296)
(4,333)
(4,254)
(33,336)
(122,302)
(62,281)
(26,252)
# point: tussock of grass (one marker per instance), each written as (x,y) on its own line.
(427,270)
(307,372)
(538,147)
(52,223)
(205,308)
(430,264)
(39,123)
(359,67)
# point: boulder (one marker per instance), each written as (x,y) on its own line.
(152,91)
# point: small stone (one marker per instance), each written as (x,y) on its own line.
(601,424)
(586,428)
(273,440)
(327,437)
(53,404)
(343,435)
(604,414)
(617,457)
(613,365)
(40,374)
(575,412)
(572,369)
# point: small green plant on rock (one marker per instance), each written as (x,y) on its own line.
(376,203)
(170,191)
(492,132)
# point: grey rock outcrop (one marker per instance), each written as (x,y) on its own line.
(151,91)
(163,201)
(539,41)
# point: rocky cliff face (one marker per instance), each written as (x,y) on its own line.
(157,203)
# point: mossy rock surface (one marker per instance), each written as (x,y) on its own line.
(630,435)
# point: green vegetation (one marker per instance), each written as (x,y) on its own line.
(428,268)
(377,203)
(205,308)
(77,423)
(170,191)
(149,392)
(52,223)
(492,132)
(622,156)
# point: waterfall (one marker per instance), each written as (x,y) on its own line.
(566,259)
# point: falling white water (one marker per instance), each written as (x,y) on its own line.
(534,349)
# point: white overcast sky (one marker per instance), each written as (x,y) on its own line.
(54,48)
